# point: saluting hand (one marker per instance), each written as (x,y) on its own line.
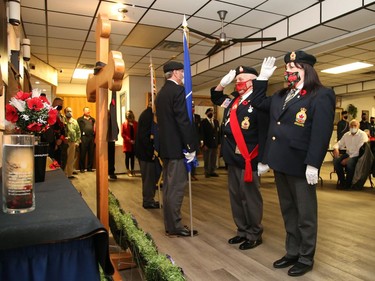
(227,79)
(267,69)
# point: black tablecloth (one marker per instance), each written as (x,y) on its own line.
(60,215)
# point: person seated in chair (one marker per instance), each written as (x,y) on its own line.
(352,141)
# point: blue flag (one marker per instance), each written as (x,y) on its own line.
(187,78)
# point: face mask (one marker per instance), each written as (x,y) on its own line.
(353,130)
(241,87)
(209,115)
(59,107)
(68,115)
(292,78)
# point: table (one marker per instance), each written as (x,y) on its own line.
(60,240)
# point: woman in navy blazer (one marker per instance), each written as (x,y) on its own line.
(301,124)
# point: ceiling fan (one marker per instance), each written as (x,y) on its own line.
(222,40)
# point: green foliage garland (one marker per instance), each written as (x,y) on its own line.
(155,266)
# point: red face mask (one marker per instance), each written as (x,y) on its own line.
(241,87)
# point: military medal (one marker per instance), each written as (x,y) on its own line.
(245,124)
(250,109)
(301,117)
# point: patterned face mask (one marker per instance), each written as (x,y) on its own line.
(292,78)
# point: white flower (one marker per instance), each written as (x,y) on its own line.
(36,93)
(19,104)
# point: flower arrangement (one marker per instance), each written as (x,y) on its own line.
(29,113)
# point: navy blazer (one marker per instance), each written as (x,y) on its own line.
(253,134)
(176,131)
(299,135)
(210,134)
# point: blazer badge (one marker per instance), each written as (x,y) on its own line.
(301,117)
(250,109)
(245,124)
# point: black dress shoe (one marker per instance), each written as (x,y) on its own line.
(90,170)
(249,244)
(214,175)
(299,269)
(285,262)
(236,240)
(183,233)
(154,205)
(82,171)
(113,177)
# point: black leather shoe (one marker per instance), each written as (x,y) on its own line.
(90,170)
(154,205)
(214,175)
(113,177)
(285,262)
(183,233)
(249,244)
(299,269)
(236,240)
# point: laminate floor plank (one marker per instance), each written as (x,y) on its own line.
(346,230)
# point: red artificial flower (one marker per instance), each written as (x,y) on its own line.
(303,92)
(52,116)
(44,99)
(245,102)
(35,104)
(22,95)
(35,127)
(11,114)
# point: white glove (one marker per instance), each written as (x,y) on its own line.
(267,69)
(262,168)
(189,156)
(311,175)
(227,79)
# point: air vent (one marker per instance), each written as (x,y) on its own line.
(170,46)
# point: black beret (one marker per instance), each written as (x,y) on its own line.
(246,69)
(172,65)
(300,57)
(208,110)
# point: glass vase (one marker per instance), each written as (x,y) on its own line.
(18,174)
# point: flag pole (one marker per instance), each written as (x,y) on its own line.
(188,92)
(153,93)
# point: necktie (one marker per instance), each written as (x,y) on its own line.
(292,93)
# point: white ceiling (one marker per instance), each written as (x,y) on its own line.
(62,34)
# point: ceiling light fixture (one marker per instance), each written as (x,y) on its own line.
(81,73)
(347,67)
(122,11)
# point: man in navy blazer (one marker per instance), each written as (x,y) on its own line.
(176,134)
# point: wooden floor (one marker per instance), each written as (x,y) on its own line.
(346,231)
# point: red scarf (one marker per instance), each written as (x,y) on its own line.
(240,141)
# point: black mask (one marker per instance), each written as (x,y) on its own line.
(59,107)
(209,115)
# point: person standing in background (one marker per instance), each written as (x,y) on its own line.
(128,133)
(144,151)
(87,146)
(73,137)
(209,143)
(197,125)
(342,125)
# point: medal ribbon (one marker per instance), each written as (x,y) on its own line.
(240,141)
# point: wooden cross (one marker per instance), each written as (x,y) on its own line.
(109,78)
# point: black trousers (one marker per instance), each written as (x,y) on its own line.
(86,147)
(111,157)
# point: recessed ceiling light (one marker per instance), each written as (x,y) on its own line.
(80,73)
(37,82)
(347,67)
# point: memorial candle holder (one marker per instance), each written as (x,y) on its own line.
(18,174)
